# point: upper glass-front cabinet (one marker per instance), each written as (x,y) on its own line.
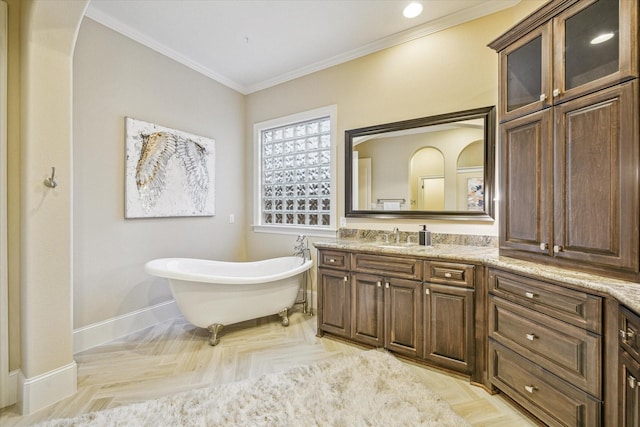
(526,70)
(588,46)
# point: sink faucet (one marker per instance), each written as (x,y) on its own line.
(396,233)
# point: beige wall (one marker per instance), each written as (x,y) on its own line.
(410,80)
(116,77)
(447,71)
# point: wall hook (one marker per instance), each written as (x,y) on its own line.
(51,181)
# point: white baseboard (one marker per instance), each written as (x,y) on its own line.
(43,390)
(103,332)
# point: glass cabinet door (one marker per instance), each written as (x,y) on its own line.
(525,69)
(593,47)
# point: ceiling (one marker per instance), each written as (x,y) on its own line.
(250,45)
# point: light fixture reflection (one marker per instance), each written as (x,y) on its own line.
(602,38)
(412,10)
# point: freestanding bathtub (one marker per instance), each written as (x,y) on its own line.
(211,294)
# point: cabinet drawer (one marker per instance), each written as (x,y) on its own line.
(333,259)
(572,353)
(404,268)
(575,307)
(448,273)
(554,401)
(629,330)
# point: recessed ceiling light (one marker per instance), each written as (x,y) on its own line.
(412,10)
(602,38)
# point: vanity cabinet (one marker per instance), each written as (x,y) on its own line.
(569,137)
(545,348)
(449,315)
(422,309)
(334,293)
(387,305)
(629,369)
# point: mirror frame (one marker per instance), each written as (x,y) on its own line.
(485,113)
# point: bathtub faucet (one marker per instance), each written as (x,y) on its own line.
(302,247)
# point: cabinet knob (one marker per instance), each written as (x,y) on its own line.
(447,275)
(556,92)
(379,284)
(544,246)
(557,249)
(426,291)
(386,285)
(332,260)
(529,295)
(345,278)
(529,388)
(632,381)
(530,337)
(543,97)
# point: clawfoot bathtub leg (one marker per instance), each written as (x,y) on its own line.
(284,314)
(214,330)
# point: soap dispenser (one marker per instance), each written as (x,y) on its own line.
(424,236)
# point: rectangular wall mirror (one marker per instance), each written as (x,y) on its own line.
(436,167)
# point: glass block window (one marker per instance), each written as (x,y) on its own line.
(295,174)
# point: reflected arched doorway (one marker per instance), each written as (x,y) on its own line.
(427,179)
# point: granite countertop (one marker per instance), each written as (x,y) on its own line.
(627,293)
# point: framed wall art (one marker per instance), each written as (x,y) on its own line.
(169,173)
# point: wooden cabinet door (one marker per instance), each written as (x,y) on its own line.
(526,73)
(448,326)
(629,391)
(368,313)
(526,183)
(596,179)
(334,302)
(403,316)
(584,63)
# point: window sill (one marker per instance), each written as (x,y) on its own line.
(307,231)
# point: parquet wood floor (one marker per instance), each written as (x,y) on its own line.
(174,356)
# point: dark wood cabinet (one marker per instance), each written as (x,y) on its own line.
(629,369)
(546,347)
(334,301)
(569,137)
(334,293)
(384,301)
(448,331)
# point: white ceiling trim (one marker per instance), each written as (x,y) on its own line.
(485,8)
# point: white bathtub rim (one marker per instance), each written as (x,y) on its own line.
(162,267)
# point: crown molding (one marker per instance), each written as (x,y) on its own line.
(478,11)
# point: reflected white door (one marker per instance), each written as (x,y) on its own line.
(364,183)
(431,193)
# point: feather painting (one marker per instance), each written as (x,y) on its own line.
(169,172)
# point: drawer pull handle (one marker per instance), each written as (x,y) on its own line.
(447,275)
(633,382)
(529,295)
(628,334)
(332,260)
(531,337)
(529,388)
